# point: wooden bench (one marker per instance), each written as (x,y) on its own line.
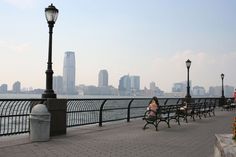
(163,114)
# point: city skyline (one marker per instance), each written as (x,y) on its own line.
(150,39)
(126,83)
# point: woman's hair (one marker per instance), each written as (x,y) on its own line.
(155,99)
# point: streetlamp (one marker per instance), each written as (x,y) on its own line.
(222,77)
(222,87)
(188,96)
(51,13)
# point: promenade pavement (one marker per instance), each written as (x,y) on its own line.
(122,139)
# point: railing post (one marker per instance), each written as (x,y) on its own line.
(178,101)
(100,112)
(166,101)
(128,112)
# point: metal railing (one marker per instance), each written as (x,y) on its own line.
(92,111)
(14,115)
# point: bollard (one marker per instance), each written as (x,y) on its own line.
(39,123)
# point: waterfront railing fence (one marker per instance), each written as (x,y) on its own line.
(14,113)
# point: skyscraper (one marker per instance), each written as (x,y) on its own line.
(69,73)
(58,84)
(3,88)
(124,85)
(16,88)
(135,83)
(152,85)
(103,78)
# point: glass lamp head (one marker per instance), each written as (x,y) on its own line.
(51,13)
(222,76)
(188,63)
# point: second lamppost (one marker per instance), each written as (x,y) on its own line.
(51,14)
(188,96)
(222,90)
(222,78)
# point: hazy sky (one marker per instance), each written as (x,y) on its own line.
(149,38)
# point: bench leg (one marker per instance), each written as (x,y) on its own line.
(193,117)
(178,120)
(156,125)
(213,112)
(145,126)
(186,119)
(199,115)
(153,123)
(168,123)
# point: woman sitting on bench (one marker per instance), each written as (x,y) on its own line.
(152,107)
(150,116)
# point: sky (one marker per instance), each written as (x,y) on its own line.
(148,38)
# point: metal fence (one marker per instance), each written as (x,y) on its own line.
(14,115)
(92,111)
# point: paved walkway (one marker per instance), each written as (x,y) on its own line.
(122,139)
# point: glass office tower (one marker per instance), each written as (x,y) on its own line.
(69,73)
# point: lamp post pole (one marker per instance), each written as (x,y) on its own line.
(188,96)
(222,90)
(51,15)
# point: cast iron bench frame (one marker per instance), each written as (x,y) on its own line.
(163,114)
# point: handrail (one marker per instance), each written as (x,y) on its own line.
(14,113)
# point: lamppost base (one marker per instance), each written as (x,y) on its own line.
(222,101)
(188,98)
(49,95)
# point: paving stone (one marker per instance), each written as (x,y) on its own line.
(122,139)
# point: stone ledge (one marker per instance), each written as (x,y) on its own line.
(225,146)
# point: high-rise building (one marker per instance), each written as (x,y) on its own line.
(69,73)
(181,86)
(3,88)
(217,91)
(228,91)
(135,83)
(129,85)
(58,84)
(16,87)
(154,90)
(124,83)
(198,91)
(103,78)
(152,86)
